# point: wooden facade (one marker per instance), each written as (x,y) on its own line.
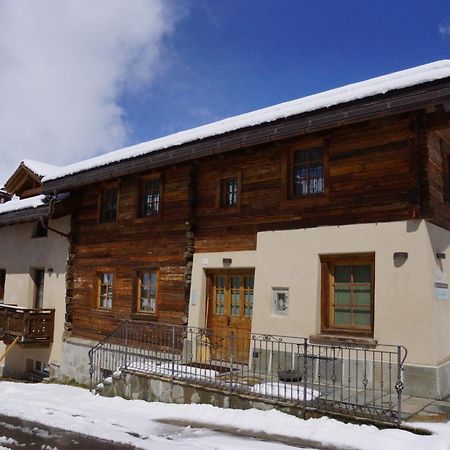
(385,167)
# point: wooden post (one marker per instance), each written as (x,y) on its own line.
(9,348)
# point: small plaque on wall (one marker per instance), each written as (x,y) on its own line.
(441,285)
(280,296)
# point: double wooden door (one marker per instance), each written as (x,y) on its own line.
(229,313)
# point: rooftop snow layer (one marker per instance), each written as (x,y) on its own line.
(39,168)
(16,205)
(380,85)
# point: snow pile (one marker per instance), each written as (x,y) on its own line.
(380,85)
(284,390)
(26,203)
(177,370)
(137,422)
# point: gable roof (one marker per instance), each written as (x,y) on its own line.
(28,171)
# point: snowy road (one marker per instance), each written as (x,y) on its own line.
(162,426)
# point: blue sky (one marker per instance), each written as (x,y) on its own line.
(81,78)
(230,57)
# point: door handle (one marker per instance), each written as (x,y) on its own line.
(228,321)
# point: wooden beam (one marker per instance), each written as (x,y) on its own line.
(10,347)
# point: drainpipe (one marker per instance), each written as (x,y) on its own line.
(51,202)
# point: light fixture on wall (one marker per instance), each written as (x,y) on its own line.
(226,262)
(440,255)
(398,256)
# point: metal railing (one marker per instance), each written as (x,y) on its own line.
(344,379)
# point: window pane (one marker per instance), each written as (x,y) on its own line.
(105,290)
(151,197)
(235,295)
(220,295)
(342,274)
(352,295)
(248,296)
(342,316)
(147,294)
(362,317)
(109,205)
(362,274)
(308,172)
(362,294)
(229,189)
(315,154)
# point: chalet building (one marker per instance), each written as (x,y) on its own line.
(33,258)
(326,217)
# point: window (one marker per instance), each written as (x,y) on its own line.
(307,173)
(38,278)
(108,204)
(233,295)
(105,290)
(151,197)
(229,192)
(41,228)
(147,291)
(348,294)
(2,284)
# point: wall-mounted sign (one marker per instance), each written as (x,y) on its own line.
(441,285)
(280,296)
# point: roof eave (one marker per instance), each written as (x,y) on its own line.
(393,102)
(24,215)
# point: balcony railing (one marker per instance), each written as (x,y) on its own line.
(33,326)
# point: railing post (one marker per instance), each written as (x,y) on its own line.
(91,369)
(399,385)
(126,344)
(231,360)
(305,374)
(173,351)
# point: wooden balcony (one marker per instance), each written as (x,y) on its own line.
(34,327)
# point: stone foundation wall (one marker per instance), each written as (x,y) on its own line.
(75,361)
(138,386)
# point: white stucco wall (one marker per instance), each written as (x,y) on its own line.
(406,309)
(20,254)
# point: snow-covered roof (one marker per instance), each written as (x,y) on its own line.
(375,86)
(17,205)
(39,168)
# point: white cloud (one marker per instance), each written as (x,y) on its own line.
(444,30)
(64,66)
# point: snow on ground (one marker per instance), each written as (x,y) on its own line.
(136,422)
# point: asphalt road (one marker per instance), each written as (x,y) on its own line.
(24,434)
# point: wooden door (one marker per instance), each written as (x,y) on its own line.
(230,309)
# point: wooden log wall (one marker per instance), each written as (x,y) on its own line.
(371,179)
(373,176)
(125,247)
(437,170)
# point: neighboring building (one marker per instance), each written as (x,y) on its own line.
(33,257)
(326,217)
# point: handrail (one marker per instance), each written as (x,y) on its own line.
(326,376)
